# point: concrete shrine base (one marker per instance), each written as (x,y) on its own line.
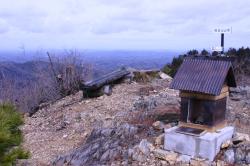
(206,146)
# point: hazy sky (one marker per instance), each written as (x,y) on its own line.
(122,24)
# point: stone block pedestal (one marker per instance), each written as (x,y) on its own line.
(206,146)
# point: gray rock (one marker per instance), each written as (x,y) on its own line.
(149,103)
(240,155)
(240,137)
(105,156)
(184,159)
(107,89)
(129,130)
(141,151)
(101,147)
(107,132)
(163,154)
(159,153)
(236,97)
(242,152)
(139,157)
(165,76)
(61,126)
(158,125)
(226,144)
(170,157)
(130,153)
(240,93)
(235,90)
(248,157)
(159,140)
(145,147)
(229,156)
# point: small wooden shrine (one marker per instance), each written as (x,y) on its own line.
(204,87)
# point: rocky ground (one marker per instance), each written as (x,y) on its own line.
(65,125)
(125,128)
(239,108)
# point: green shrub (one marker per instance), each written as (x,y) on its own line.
(10,135)
(240,60)
(171,68)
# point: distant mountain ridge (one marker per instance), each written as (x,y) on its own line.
(21,72)
(31,81)
(102,62)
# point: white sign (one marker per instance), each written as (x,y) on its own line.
(217,49)
(223,30)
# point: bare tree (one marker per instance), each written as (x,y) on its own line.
(63,75)
(69,72)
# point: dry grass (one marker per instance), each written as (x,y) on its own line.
(145,76)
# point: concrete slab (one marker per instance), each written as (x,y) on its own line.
(206,146)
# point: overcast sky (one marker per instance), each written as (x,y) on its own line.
(122,24)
